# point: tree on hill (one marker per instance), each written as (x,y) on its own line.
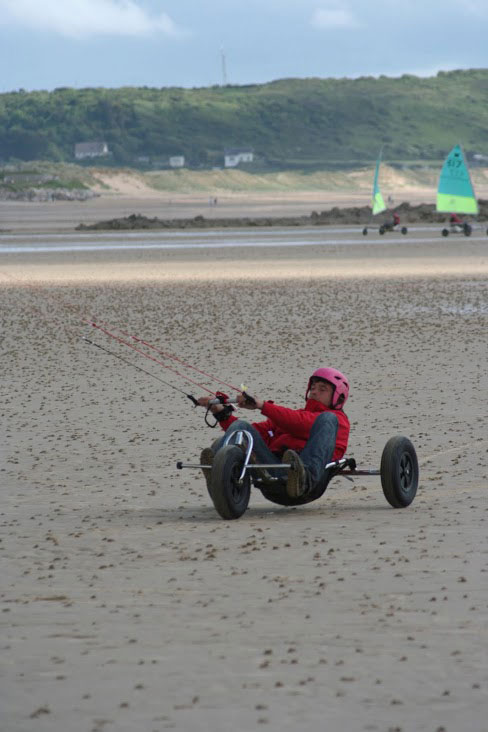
(290,123)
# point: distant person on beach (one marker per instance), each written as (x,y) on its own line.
(306,438)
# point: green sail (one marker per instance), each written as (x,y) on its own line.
(455,193)
(378,202)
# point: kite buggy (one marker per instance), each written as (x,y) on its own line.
(232,475)
(231,468)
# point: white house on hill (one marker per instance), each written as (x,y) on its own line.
(234,156)
(177,161)
(91,150)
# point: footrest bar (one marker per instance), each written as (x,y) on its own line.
(275,466)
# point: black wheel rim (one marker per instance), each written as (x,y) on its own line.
(237,486)
(406,472)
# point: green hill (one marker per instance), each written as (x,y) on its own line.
(292,123)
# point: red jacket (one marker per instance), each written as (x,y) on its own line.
(291,427)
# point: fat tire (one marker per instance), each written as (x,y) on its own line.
(229,495)
(365,231)
(404,230)
(467,229)
(214,448)
(399,472)
(445,232)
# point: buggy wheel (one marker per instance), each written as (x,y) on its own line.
(404,230)
(365,231)
(399,472)
(382,229)
(467,229)
(230,495)
(209,459)
(445,232)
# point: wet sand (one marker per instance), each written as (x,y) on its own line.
(65,215)
(127,603)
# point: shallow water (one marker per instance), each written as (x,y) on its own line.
(225,240)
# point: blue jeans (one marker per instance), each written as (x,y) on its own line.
(315,455)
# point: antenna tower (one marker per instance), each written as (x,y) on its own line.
(224,70)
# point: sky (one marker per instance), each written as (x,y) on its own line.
(46,44)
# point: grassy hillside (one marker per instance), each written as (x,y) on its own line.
(239,181)
(43,174)
(291,123)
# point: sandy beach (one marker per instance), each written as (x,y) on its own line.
(128,604)
(126,199)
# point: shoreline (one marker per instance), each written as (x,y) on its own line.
(421,254)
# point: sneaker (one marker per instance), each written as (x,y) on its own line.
(207,458)
(296,484)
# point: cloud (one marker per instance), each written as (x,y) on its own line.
(333,17)
(83,18)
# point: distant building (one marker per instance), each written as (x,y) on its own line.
(177,161)
(91,150)
(234,156)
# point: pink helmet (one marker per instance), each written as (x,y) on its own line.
(338,381)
